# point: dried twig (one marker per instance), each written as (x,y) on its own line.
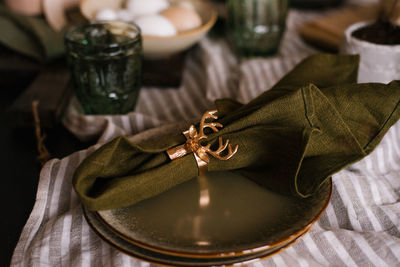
(44,154)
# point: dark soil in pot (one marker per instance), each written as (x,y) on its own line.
(380,32)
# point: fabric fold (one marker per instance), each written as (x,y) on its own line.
(311,124)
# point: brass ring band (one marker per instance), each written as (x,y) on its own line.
(181,150)
(200,151)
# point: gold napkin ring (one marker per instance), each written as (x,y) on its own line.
(200,151)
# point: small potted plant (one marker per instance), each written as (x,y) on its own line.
(377,43)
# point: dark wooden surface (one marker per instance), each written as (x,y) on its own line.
(164,72)
(18,164)
(51,86)
(51,89)
(21,82)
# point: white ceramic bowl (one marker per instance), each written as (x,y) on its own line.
(161,47)
(378,63)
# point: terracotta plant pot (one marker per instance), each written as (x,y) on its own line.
(378,63)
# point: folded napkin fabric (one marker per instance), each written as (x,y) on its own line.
(314,122)
(30,36)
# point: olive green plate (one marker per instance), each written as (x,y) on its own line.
(221,216)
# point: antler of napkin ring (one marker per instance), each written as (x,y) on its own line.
(200,151)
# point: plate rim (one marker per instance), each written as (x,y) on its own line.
(241,260)
(222,254)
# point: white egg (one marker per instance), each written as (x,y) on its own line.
(155,25)
(125,15)
(106,14)
(146,7)
(182,18)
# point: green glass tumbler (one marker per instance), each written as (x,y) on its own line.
(105,61)
(255,27)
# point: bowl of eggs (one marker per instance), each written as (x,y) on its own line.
(167,26)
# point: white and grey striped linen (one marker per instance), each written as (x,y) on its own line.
(361,226)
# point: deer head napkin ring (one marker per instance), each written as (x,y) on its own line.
(200,151)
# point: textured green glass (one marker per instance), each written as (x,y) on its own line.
(105,60)
(256,26)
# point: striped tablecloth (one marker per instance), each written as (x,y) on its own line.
(361,226)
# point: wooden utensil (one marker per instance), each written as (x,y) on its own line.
(327,32)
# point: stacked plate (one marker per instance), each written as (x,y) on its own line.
(221,218)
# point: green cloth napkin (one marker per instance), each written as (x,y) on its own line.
(30,36)
(311,124)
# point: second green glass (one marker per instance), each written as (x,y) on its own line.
(256,26)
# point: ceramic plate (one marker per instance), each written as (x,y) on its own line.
(165,259)
(220,215)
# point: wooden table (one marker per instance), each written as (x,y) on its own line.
(23,81)
(20,169)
